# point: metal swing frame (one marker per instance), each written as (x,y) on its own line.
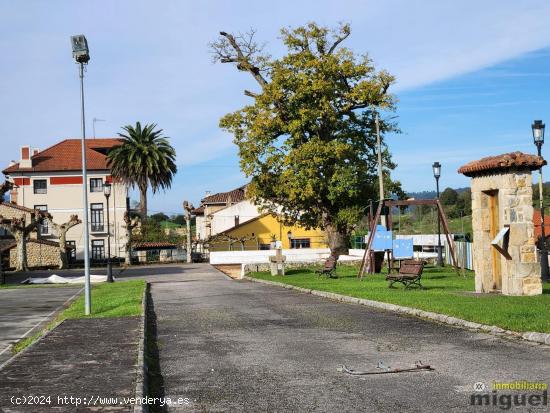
(367,264)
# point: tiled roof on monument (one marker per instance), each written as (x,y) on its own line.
(501,163)
(67,156)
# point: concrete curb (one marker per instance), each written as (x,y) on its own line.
(540,338)
(141,373)
(41,326)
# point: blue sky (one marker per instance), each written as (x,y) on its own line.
(471,76)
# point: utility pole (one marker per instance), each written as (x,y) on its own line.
(188,207)
(380,171)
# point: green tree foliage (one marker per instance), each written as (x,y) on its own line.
(307,140)
(144,159)
(159,217)
(448,197)
(152,231)
(178,219)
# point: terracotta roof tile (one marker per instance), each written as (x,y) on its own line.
(536,221)
(67,156)
(236,195)
(198,211)
(502,163)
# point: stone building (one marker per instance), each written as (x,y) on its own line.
(40,253)
(504,250)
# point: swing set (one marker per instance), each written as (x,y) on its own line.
(368,262)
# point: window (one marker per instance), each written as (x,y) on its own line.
(96,185)
(98,249)
(43,228)
(96,217)
(40,186)
(300,243)
(265,246)
(71,253)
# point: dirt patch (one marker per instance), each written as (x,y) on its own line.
(232,270)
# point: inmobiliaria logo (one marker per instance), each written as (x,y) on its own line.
(506,395)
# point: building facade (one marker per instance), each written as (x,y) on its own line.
(212,204)
(51,180)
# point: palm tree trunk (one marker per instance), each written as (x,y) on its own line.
(143,203)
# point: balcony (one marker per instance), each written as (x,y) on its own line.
(98,228)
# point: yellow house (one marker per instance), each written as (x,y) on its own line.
(259,233)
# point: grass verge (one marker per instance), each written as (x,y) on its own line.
(445,293)
(119,299)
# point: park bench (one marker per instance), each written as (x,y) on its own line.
(328,268)
(410,273)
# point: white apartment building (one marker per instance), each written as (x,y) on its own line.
(51,180)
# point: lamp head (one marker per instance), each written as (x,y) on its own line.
(538,132)
(107,190)
(437,169)
(81,53)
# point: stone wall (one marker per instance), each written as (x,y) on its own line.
(513,191)
(38,255)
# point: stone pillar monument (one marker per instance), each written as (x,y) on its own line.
(504,250)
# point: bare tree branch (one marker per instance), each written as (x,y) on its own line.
(242,50)
(345,30)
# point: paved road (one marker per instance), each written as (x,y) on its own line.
(242,346)
(23,309)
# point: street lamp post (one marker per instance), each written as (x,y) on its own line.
(82,57)
(107,193)
(538,138)
(437,173)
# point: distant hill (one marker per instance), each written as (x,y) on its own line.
(431,194)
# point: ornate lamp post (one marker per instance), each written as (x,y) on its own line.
(538,138)
(107,193)
(81,55)
(437,173)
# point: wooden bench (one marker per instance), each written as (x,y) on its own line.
(328,269)
(410,273)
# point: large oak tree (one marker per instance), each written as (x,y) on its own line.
(307,140)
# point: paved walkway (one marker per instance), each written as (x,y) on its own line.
(91,360)
(24,310)
(242,346)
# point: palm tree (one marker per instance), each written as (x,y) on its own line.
(145,158)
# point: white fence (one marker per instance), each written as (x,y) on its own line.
(292,255)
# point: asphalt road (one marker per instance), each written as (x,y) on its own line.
(24,310)
(241,346)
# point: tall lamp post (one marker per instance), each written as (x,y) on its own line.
(81,55)
(437,173)
(538,138)
(107,193)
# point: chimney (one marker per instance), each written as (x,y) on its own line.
(25,161)
(35,151)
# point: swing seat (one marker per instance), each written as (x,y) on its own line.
(410,273)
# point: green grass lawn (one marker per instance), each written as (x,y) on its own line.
(445,293)
(119,299)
